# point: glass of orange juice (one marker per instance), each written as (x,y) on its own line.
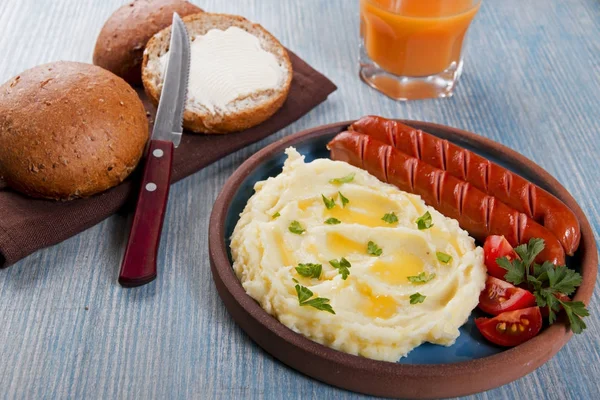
(412,49)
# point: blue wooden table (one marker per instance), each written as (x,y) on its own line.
(68,330)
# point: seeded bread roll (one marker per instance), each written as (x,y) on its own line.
(120,45)
(69,130)
(242,113)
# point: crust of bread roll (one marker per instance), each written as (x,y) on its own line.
(121,42)
(69,130)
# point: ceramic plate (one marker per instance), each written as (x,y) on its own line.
(470,365)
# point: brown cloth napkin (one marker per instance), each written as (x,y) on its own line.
(27,224)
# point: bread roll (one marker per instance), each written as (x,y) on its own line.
(244,111)
(120,45)
(69,130)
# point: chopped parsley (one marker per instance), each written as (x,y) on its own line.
(296,228)
(390,218)
(373,249)
(424,221)
(309,270)
(443,257)
(342,266)
(332,221)
(343,199)
(423,277)
(417,298)
(276,215)
(304,299)
(329,203)
(344,179)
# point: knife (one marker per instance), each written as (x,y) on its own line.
(139,262)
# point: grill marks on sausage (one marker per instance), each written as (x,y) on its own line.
(391,130)
(439,184)
(466,158)
(531,192)
(386,161)
(362,146)
(462,195)
(508,181)
(488,211)
(521,225)
(525,195)
(419,144)
(444,152)
(486,176)
(464,163)
(412,172)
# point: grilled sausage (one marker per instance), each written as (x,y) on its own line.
(487,176)
(478,213)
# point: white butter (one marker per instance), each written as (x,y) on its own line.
(227,65)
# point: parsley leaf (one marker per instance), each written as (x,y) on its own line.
(373,249)
(528,252)
(390,218)
(276,215)
(342,266)
(417,298)
(332,221)
(309,270)
(421,278)
(443,257)
(564,280)
(303,293)
(343,199)
(424,221)
(515,270)
(329,203)
(320,303)
(575,310)
(296,228)
(344,179)
(547,283)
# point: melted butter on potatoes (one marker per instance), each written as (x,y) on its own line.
(373,316)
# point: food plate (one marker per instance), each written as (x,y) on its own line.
(471,365)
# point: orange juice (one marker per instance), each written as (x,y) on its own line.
(415,38)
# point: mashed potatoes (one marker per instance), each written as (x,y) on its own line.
(405,285)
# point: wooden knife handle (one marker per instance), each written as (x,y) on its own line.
(139,262)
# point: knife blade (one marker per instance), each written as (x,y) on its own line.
(169,117)
(139,262)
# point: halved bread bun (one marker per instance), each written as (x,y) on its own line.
(242,113)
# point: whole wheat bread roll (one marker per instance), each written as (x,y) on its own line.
(240,114)
(120,44)
(69,130)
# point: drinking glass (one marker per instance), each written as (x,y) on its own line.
(412,49)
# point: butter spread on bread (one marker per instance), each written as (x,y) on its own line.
(226,65)
(240,74)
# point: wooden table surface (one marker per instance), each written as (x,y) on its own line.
(68,330)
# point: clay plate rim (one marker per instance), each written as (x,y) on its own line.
(381,378)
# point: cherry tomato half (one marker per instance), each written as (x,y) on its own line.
(511,328)
(500,296)
(496,246)
(561,297)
